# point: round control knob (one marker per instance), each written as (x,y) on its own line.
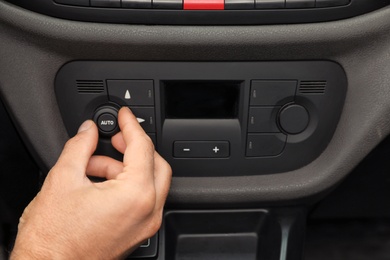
(106,119)
(293,119)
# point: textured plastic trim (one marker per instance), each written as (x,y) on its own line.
(209,17)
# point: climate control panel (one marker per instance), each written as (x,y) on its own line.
(211,118)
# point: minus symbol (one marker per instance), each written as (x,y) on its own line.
(186,150)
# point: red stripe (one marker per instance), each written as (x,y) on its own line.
(204,5)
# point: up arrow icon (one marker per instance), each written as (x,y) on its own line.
(127,95)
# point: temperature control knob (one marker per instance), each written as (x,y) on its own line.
(106,119)
(293,119)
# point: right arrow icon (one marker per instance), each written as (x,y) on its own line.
(140,120)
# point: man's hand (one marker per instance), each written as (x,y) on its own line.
(74,218)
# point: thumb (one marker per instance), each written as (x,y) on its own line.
(78,150)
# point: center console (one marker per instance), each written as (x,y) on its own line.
(215,119)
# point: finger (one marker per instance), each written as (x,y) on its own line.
(162,180)
(138,157)
(104,167)
(78,150)
(118,142)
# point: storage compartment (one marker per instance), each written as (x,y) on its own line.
(222,235)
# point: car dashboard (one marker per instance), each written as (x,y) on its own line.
(262,108)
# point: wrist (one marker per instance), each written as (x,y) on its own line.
(31,249)
(29,253)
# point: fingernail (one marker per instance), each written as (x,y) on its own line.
(85,126)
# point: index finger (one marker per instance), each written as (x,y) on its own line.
(139,154)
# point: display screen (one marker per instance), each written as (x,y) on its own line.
(201,99)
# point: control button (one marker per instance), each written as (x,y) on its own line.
(270,4)
(145,244)
(106,3)
(146,249)
(263,120)
(259,145)
(239,4)
(168,4)
(270,93)
(201,149)
(106,119)
(137,4)
(294,119)
(131,92)
(330,3)
(203,4)
(300,3)
(146,118)
(107,122)
(73,2)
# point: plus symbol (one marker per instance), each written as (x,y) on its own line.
(216,149)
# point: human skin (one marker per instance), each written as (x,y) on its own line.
(75,218)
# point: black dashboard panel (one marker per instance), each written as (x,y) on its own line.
(211,118)
(203,12)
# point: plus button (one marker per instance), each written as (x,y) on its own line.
(216,149)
